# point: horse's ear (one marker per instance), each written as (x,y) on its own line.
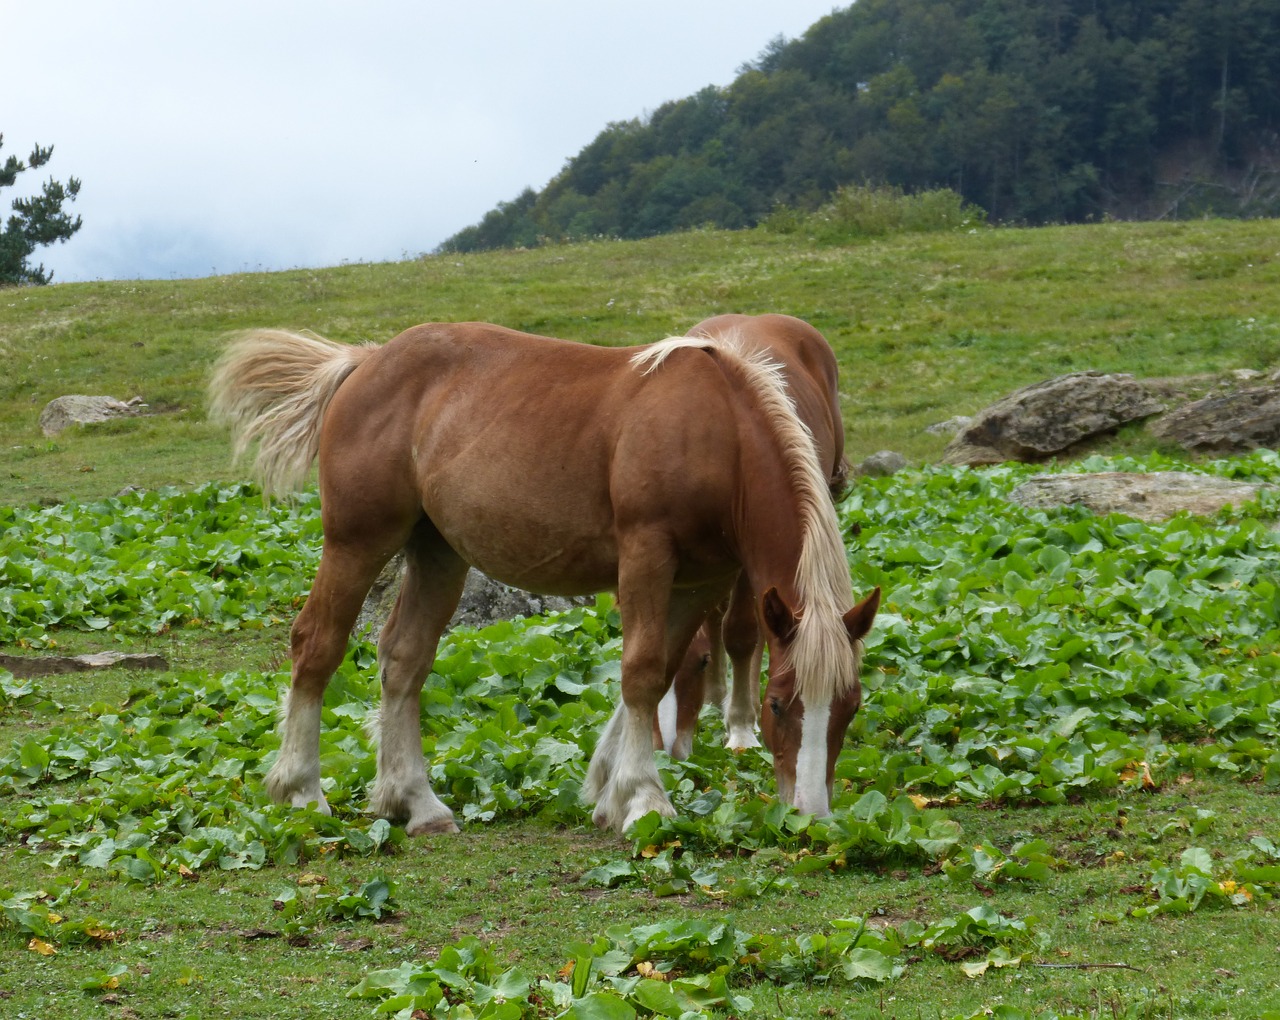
(857,621)
(778,616)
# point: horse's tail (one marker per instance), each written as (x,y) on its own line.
(272,387)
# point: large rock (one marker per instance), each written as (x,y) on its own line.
(1150,497)
(75,409)
(1049,417)
(1229,423)
(484,601)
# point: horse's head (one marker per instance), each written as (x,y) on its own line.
(803,729)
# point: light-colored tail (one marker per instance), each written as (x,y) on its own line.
(272,387)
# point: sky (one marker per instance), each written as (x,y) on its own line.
(277,134)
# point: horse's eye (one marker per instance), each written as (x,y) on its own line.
(775,706)
(704,662)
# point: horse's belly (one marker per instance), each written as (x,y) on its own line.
(552,555)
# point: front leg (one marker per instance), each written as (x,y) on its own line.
(745,649)
(657,626)
(622,779)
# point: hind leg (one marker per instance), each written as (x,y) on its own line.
(429,593)
(743,645)
(318,642)
(715,672)
(677,717)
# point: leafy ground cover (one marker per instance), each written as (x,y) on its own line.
(224,563)
(1060,798)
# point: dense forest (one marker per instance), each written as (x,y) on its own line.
(1037,111)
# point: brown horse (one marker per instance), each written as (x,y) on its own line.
(732,630)
(561,468)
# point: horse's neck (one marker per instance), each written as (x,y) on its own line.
(770,539)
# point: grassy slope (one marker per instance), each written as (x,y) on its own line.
(925,326)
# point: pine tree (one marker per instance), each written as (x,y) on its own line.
(37,221)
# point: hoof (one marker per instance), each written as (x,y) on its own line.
(432,827)
(621,817)
(665,810)
(303,800)
(741,740)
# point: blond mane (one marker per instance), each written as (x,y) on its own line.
(824,661)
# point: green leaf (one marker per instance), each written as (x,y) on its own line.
(1157,589)
(1197,859)
(599,1006)
(609,874)
(868,965)
(99,855)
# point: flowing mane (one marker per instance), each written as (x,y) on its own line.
(824,662)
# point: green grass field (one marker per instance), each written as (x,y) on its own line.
(926,326)
(1062,797)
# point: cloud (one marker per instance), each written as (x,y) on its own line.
(275,134)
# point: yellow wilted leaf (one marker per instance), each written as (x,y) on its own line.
(1139,770)
(54,918)
(42,947)
(646,969)
(919,800)
(566,972)
(310,878)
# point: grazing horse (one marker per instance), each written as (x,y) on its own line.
(809,368)
(560,468)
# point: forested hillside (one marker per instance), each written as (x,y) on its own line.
(1038,111)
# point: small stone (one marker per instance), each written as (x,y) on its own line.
(882,463)
(77,409)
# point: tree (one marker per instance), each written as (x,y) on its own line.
(1039,111)
(37,221)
